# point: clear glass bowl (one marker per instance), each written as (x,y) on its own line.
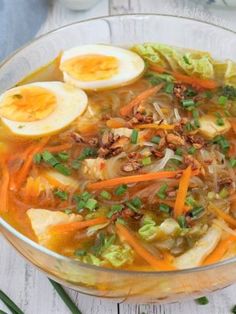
(120,30)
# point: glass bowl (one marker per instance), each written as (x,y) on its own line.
(120,30)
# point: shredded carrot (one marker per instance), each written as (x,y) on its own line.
(78,225)
(229,219)
(125,235)
(191,80)
(132,179)
(58,148)
(182,191)
(4,186)
(115,123)
(156,126)
(126,110)
(220,250)
(24,170)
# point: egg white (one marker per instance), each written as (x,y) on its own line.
(71,102)
(131,66)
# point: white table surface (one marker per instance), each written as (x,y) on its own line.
(29,288)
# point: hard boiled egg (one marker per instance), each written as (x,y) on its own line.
(96,67)
(41,108)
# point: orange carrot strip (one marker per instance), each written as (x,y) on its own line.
(182,191)
(132,179)
(222,214)
(156,126)
(191,80)
(115,123)
(4,187)
(58,148)
(126,110)
(220,250)
(24,170)
(78,225)
(125,235)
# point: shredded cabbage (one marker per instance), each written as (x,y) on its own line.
(118,255)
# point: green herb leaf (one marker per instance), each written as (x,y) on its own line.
(65,297)
(10,304)
(202,301)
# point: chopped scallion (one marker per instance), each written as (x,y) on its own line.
(164,208)
(232,162)
(106,195)
(162,191)
(202,301)
(91,204)
(120,190)
(134,137)
(61,194)
(155,139)
(182,221)
(146,161)
(169,88)
(222,100)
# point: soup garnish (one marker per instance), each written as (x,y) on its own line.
(130,162)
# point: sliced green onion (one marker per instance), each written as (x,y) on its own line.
(63,156)
(136,201)
(190,92)
(49,158)
(196,118)
(208,94)
(63,169)
(191,150)
(164,208)
(182,221)
(146,161)
(196,211)
(85,196)
(222,142)
(186,60)
(37,158)
(87,152)
(91,204)
(188,103)
(190,201)
(106,195)
(120,190)
(162,191)
(155,139)
(179,152)
(115,209)
(232,162)
(80,252)
(61,194)
(65,297)
(10,304)
(169,88)
(134,137)
(76,164)
(222,100)
(80,205)
(224,193)
(219,119)
(121,221)
(188,127)
(202,301)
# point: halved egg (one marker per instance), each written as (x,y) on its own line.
(41,108)
(96,67)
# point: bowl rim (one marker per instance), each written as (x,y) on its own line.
(65,259)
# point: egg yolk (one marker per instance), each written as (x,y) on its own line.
(28,104)
(91,67)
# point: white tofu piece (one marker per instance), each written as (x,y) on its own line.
(209,128)
(42,219)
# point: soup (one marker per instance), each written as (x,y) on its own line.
(124,158)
